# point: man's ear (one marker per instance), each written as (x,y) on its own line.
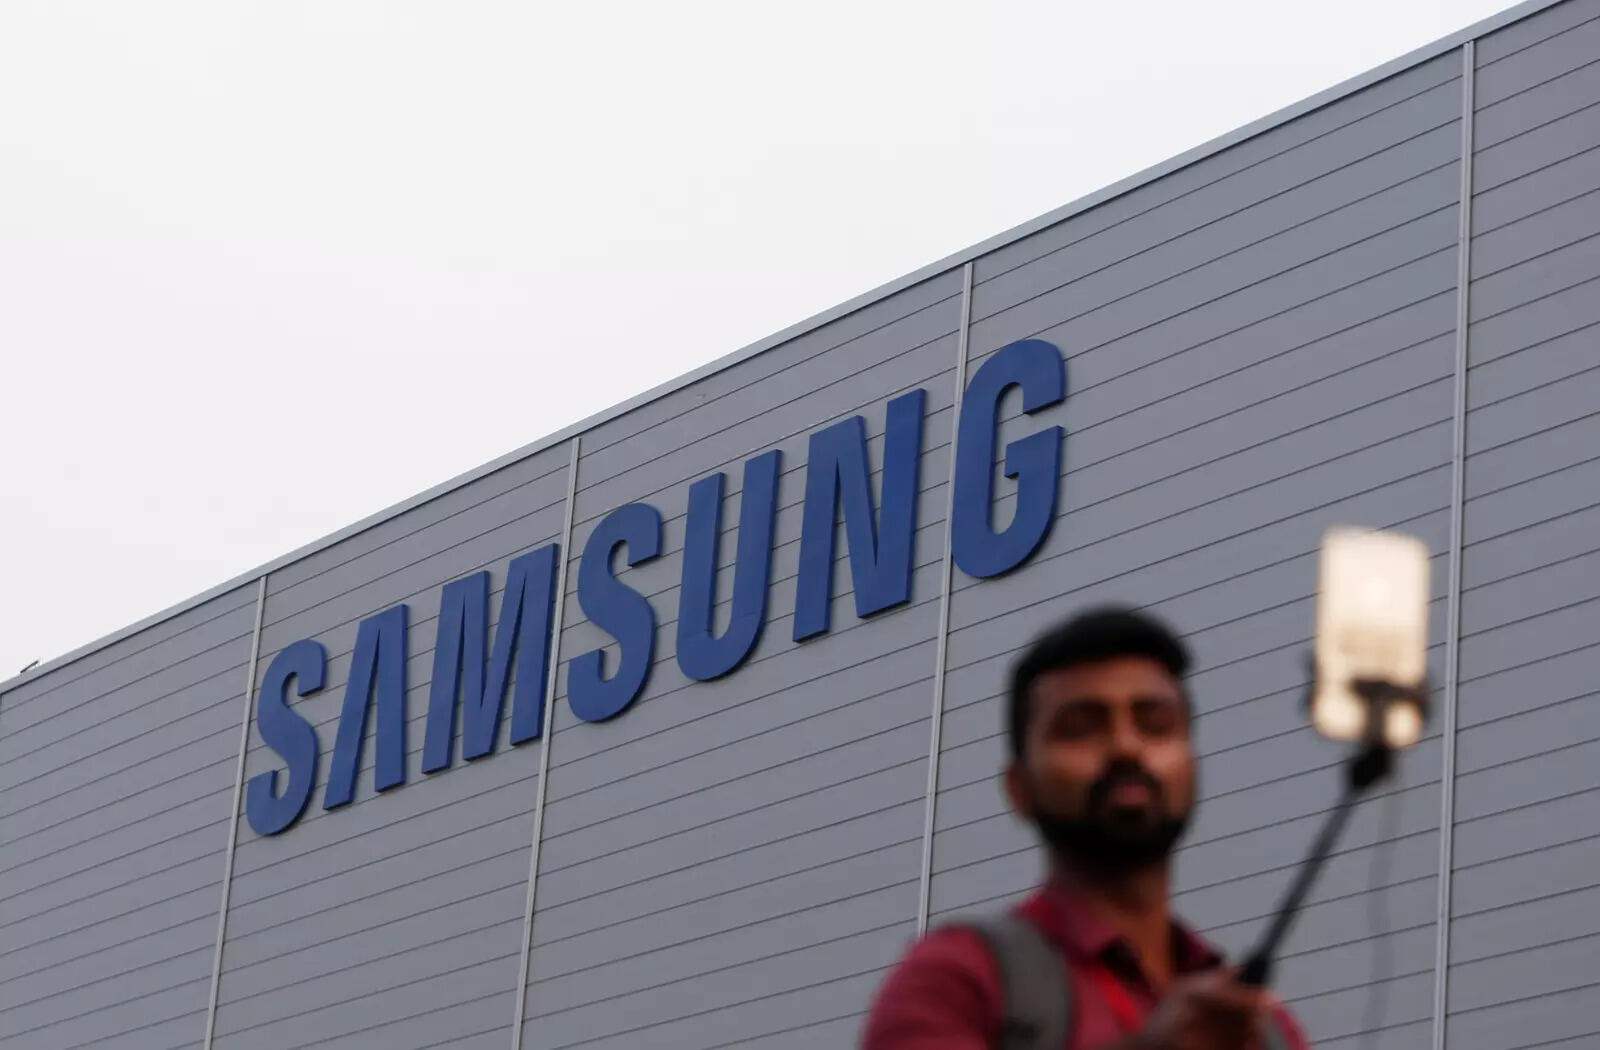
(1017,792)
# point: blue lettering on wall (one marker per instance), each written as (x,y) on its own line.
(461,651)
(474,672)
(1035,461)
(880,557)
(619,610)
(701,655)
(379,665)
(305,663)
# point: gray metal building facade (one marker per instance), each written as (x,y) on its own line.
(1366,309)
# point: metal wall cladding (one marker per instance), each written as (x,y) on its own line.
(116,774)
(395,920)
(1525,930)
(1258,345)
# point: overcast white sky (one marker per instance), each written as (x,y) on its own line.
(267,268)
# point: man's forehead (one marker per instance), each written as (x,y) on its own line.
(1124,678)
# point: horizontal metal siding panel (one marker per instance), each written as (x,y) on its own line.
(1304,148)
(1526,32)
(405,904)
(1522,372)
(1556,315)
(1528,735)
(1536,167)
(583,976)
(1536,434)
(1220,301)
(89,769)
(1245,221)
(114,833)
(738,994)
(877,685)
(1549,969)
(1559,187)
(1541,681)
(1559,1021)
(761,769)
(137,689)
(1211,383)
(1544,920)
(432,526)
(1566,769)
(452,1002)
(779,415)
(754,1022)
(1550,633)
(1569,581)
(1563,266)
(324,999)
(1545,543)
(1529,503)
(1573,47)
(1556,95)
(742,814)
(773,363)
(118,666)
(1402,1037)
(790,881)
(1536,235)
(1543,863)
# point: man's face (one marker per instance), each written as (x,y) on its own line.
(1107,772)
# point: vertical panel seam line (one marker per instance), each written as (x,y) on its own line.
(1447,775)
(558,617)
(233,817)
(925,874)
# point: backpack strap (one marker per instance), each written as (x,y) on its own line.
(1037,1012)
(1037,986)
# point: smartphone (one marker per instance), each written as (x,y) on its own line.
(1372,623)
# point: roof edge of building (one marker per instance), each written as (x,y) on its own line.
(1323,98)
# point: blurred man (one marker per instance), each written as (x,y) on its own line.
(1103,768)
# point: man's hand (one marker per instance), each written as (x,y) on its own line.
(1207,1011)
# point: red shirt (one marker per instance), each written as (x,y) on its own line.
(946,993)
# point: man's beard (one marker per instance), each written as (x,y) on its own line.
(1104,839)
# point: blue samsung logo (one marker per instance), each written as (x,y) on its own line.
(471,670)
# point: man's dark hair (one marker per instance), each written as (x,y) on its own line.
(1102,633)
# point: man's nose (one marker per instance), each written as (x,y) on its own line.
(1126,740)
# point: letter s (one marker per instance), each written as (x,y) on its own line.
(615,607)
(291,736)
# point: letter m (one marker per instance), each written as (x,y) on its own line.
(461,653)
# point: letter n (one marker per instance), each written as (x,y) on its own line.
(880,557)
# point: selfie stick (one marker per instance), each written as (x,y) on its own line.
(1365,768)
